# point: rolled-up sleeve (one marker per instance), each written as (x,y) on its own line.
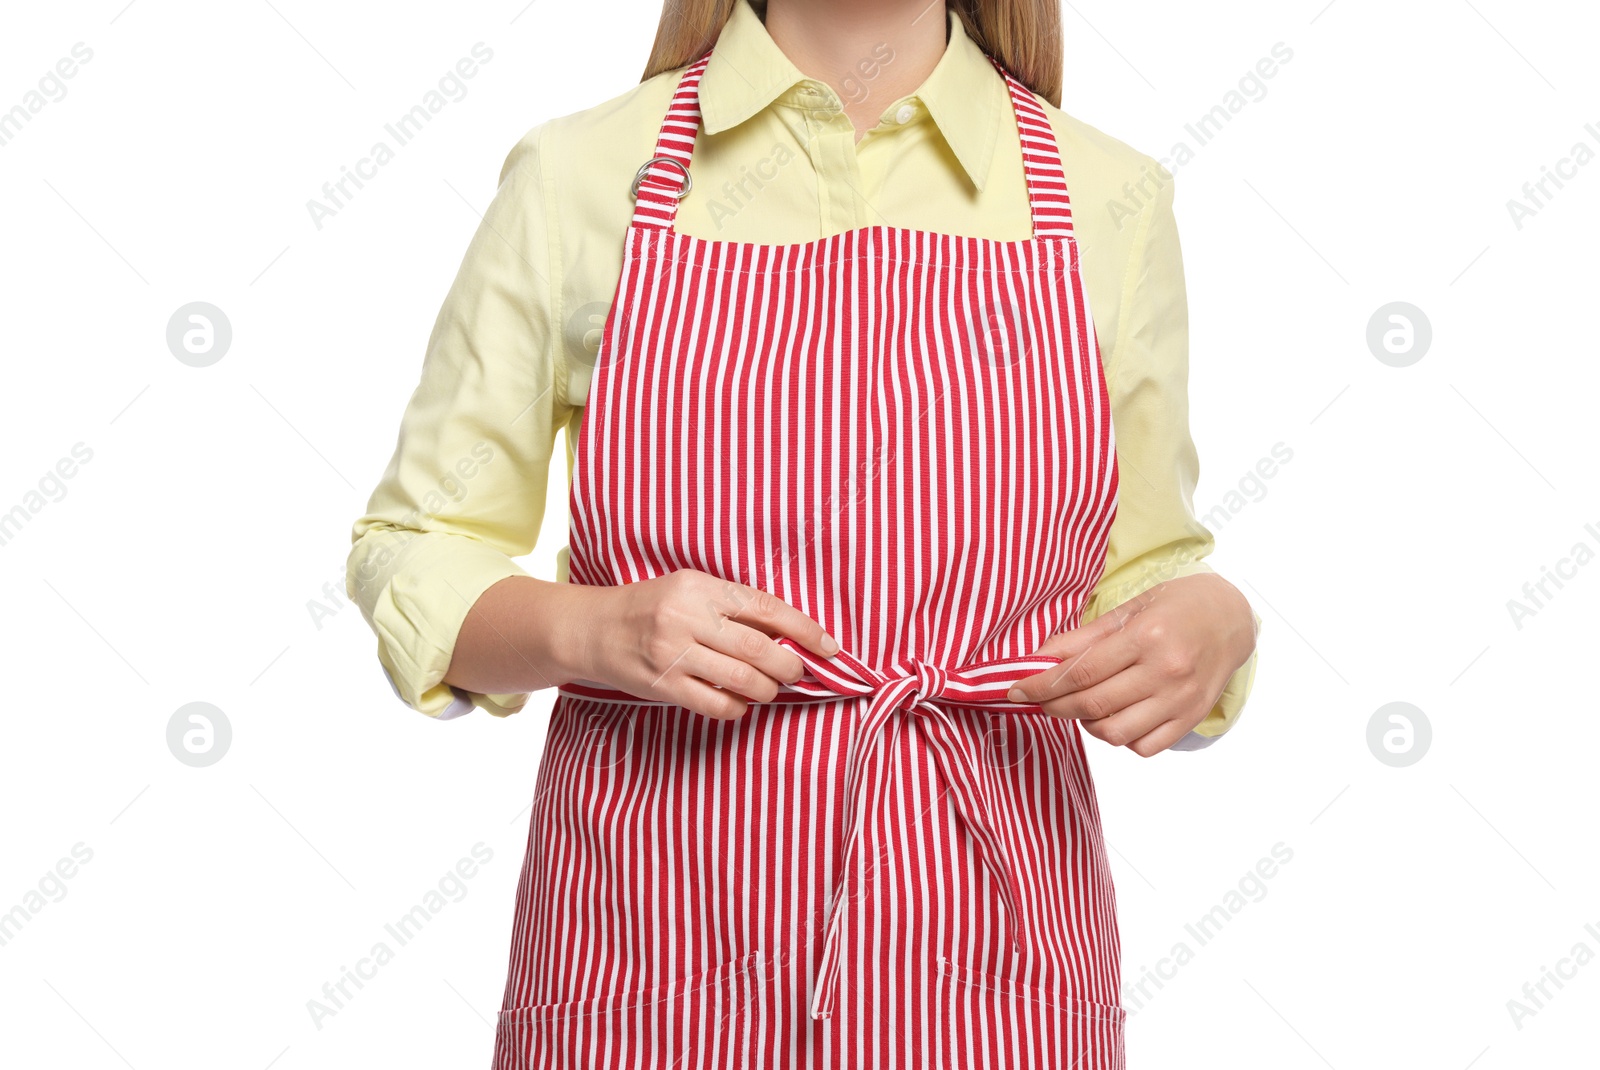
(464,491)
(1156,535)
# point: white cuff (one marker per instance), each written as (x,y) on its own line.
(1194,741)
(459,705)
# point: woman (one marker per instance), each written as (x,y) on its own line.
(855,557)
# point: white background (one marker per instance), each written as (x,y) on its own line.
(181,561)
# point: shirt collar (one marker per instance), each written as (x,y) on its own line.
(963,93)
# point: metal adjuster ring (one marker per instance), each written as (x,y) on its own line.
(644,169)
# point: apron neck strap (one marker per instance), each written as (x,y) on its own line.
(1041,162)
(664,179)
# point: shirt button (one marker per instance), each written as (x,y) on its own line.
(904,114)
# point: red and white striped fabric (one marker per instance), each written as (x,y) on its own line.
(907,436)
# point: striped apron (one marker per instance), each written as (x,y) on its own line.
(907,436)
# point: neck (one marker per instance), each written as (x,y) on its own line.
(870,51)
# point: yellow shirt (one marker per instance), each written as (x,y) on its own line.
(512,351)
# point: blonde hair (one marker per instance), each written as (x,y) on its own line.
(1024,35)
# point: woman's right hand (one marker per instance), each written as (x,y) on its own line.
(695,640)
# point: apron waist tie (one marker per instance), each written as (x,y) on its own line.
(918,689)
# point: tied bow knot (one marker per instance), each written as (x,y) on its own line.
(922,689)
(916,684)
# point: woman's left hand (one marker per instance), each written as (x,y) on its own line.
(1144,674)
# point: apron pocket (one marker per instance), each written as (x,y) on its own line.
(994,1020)
(696,1023)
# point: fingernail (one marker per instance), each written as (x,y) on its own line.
(830,645)
(1014,695)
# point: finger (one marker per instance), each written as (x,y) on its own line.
(1111,654)
(1070,643)
(1159,739)
(1128,724)
(746,644)
(770,613)
(700,697)
(730,674)
(1102,701)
